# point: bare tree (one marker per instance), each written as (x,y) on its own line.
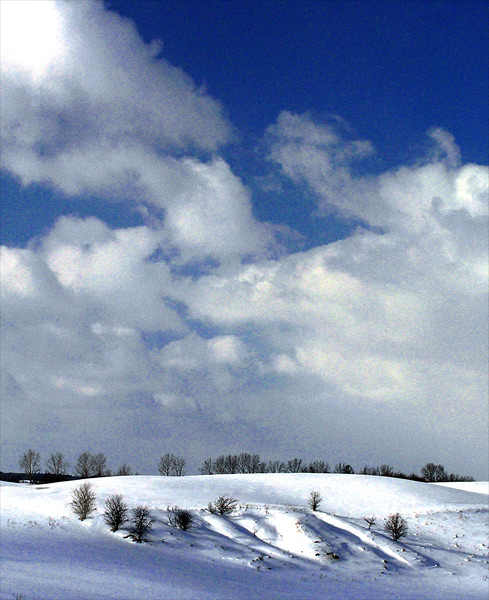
(220,466)
(226,464)
(30,463)
(180,517)
(207,467)
(396,526)
(455,477)
(386,471)
(432,473)
(294,465)
(250,463)
(315,500)
(99,465)
(115,513)
(56,464)
(344,468)
(84,465)
(166,464)
(171,465)
(124,470)
(276,466)
(318,466)
(223,505)
(83,501)
(370,521)
(179,466)
(369,470)
(142,524)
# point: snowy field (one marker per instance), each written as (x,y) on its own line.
(273,546)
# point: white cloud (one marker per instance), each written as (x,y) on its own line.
(445,146)
(227,349)
(16,275)
(394,319)
(31,37)
(104,117)
(102,86)
(390,323)
(379,316)
(401,199)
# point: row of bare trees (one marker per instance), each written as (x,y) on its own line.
(252,463)
(95,465)
(87,465)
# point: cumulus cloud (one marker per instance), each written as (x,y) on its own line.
(104,115)
(321,157)
(396,315)
(110,335)
(100,85)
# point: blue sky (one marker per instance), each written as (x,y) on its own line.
(241,218)
(391,69)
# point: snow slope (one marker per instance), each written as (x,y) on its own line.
(481,487)
(272,546)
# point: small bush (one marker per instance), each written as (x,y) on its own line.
(396,526)
(223,505)
(181,518)
(83,501)
(141,524)
(315,500)
(370,521)
(115,513)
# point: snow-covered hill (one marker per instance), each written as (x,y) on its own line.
(272,546)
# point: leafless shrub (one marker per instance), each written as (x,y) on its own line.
(115,513)
(370,521)
(315,500)
(396,526)
(181,518)
(223,505)
(142,524)
(83,501)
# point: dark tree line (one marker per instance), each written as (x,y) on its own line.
(95,465)
(56,467)
(252,463)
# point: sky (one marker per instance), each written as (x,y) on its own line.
(245,227)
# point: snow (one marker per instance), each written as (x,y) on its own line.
(273,546)
(481,487)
